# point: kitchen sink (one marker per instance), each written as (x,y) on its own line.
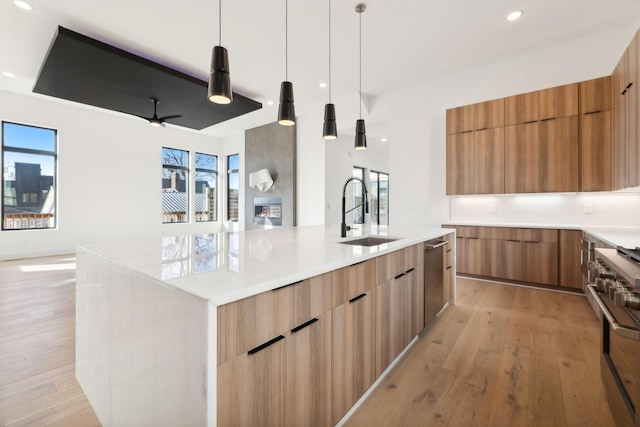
(369,241)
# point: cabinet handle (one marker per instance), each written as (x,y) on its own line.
(593,112)
(530,121)
(484,128)
(357,263)
(623,92)
(290,284)
(473,238)
(629,85)
(531,241)
(304,325)
(357,298)
(399,276)
(547,119)
(449,267)
(409,271)
(265,345)
(449,250)
(512,240)
(466,131)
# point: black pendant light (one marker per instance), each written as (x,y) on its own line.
(361,137)
(330,128)
(219,78)
(286,111)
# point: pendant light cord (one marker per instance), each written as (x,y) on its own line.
(360,16)
(219,22)
(286,40)
(329,51)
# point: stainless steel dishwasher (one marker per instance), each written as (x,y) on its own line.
(433,278)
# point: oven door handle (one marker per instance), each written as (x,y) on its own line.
(619,330)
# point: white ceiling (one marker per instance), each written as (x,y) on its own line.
(404,42)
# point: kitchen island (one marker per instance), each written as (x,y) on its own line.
(148,314)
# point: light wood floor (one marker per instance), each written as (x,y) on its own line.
(503,356)
(37,345)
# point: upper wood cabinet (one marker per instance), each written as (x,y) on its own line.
(595,151)
(557,102)
(521,109)
(595,95)
(460,163)
(559,155)
(489,114)
(460,119)
(522,158)
(488,164)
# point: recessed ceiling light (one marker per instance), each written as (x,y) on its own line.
(323,85)
(514,15)
(383,139)
(8,74)
(23,5)
(270,102)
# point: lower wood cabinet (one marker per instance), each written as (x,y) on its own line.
(570,274)
(353,353)
(286,381)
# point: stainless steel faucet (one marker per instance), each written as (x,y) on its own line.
(344,227)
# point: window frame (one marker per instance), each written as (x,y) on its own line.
(53,154)
(216,188)
(375,207)
(187,171)
(228,198)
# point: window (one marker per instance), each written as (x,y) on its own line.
(358,195)
(379,197)
(175,185)
(206,187)
(233,187)
(29,156)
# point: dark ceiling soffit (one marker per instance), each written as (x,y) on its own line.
(81,69)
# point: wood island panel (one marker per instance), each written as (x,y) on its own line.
(310,298)
(351,281)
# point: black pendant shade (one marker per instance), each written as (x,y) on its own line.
(361,137)
(219,79)
(330,129)
(286,111)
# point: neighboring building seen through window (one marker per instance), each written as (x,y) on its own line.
(233,187)
(379,194)
(175,185)
(29,156)
(206,187)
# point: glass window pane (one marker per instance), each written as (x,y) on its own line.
(175,185)
(30,137)
(233,187)
(206,187)
(28,180)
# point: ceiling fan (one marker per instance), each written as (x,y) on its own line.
(155,120)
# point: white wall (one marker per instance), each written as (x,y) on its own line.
(109,175)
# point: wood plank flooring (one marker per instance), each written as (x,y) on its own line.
(503,356)
(38,386)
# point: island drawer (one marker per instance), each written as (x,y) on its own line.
(354,280)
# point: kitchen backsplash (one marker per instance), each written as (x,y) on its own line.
(610,208)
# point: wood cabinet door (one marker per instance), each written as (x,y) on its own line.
(522,158)
(460,163)
(570,274)
(251,389)
(557,102)
(461,255)
(415,278)
(460,119)
(519,109)
(507,259)
(541,262)
(595,151)
(478,257)
(488,148)
(559,155)
(351,281)
(308,374)
(595,95)
(488,114)
(353,353)
(392,305)
(619,135)
(632,112)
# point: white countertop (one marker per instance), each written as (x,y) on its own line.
(225,267)
(626,236)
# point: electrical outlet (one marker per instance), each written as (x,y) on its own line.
(588,208)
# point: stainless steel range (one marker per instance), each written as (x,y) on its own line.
(615,286)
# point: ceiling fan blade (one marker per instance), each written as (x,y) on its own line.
(143,117)
(162,119)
